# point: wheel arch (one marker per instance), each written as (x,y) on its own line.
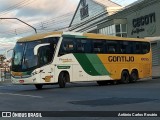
(135,70)
(66,73)
(125,76)
(124,70)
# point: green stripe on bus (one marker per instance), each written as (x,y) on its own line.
(86,64)
(68,36)
(27,73)
(63,67)
(97,64)
(74,36)
(80,37)
(91,64)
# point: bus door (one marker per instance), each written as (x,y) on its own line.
(45,57)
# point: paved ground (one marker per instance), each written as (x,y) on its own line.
(140,96)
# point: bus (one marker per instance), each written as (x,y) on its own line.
(61,57)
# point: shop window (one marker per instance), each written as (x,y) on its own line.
(118,28)
(121,30)
(118,34)
(123,35)
(124,27)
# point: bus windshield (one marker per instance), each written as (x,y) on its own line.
(24,58)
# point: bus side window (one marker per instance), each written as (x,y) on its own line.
(112,47)
(43,55)
(124,47)
(136,48)
(145,47)
(67,46)
(83,46)
(98,46)
(80,46)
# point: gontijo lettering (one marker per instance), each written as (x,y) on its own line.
(121,59)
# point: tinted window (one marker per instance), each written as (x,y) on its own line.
(124,47)
(140,47)
(145,47)
(24,58)
(83,46)
(112,47)
(67,46)
(30,60)
(46,53)
(98,46)
(44,56)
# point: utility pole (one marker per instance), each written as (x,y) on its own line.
(22,22)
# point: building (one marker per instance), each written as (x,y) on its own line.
(90,13)
(140,19)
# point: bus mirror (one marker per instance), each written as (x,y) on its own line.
(38,46)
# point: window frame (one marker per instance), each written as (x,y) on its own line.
(118,45)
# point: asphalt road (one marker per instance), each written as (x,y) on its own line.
(141,96)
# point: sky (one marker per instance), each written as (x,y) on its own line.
(42,14)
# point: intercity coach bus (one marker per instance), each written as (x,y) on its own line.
(61,57)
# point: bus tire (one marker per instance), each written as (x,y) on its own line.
(38,86)
(125,77)
(134,76)
(63,77)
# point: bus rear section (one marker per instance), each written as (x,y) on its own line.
(104,59)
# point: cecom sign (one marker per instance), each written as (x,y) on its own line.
(144,20)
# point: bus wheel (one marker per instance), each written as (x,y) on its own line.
(134,76)
(39,86)
(125,77)
(62,79)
